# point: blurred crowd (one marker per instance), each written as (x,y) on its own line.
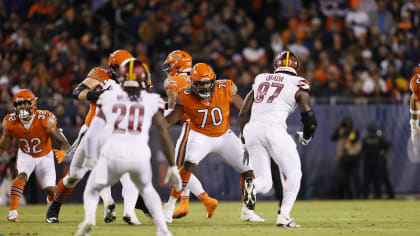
(347,48)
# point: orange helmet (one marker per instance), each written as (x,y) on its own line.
(203,80)
(24,96)
(286,62)
(116,59)
(177,62)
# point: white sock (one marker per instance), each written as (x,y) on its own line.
(185,193)
(290,192)
(195,185)
(172,200)
(129,193)
(106,196)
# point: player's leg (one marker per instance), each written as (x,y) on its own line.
(141,174)
(130,194)
(45,173)
(66,185)
(25,164)
(283,151)
(230,150)
(105,174)
(198,146)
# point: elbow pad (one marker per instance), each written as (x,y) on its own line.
(80,87)
(309,123)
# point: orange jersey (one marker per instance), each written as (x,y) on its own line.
(175,83)
(209,117)
(100,75)
(415,85)
(34,141)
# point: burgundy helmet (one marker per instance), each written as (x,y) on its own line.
(133,73)
(286,62)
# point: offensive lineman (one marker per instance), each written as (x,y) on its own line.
(265,110)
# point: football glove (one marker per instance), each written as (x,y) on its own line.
(173,174)
(245,159)
(59,155)
(302,140)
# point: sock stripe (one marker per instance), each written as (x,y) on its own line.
(202,195)
(16,190)
(16,195)
(14,186)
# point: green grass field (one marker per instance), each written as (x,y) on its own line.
(316,217)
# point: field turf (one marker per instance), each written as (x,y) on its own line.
(316,217)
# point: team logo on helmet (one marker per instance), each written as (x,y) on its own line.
(286,62)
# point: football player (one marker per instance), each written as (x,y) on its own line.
(415,113)
(207,103)
(33,129)
(123,120)
(178,66)
(272,99)
(97,81)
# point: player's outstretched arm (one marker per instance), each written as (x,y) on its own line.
(245,111)
(58,137)
(236,102)
(83,90)
(175,116)
(308,117)
(168,150)
(171,98)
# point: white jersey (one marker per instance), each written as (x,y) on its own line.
(128,122)
(275,97)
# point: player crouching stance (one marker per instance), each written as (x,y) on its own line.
(272,98)
(33,129)
(123,120)
(207,104)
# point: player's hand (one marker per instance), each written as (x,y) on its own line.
(302,140)
(59,154)
(173,174)
(245,159)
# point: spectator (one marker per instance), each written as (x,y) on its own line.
(374,154)
(348,157)
(357,20)
(382,18)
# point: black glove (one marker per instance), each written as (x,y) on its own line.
(94,95)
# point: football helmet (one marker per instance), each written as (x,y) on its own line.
(177,62)
(286,62)
(115,60)
(134,73)
(203,80)
(24,103)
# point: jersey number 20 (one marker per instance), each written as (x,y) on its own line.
(132,116)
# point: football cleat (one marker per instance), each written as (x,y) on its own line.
(249,215)
(131,219)
(210,204)
(182,209)
(53,212)
(13,216)
(168,211)
(283,221)
(85,228)
(109,213)
(250,194)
